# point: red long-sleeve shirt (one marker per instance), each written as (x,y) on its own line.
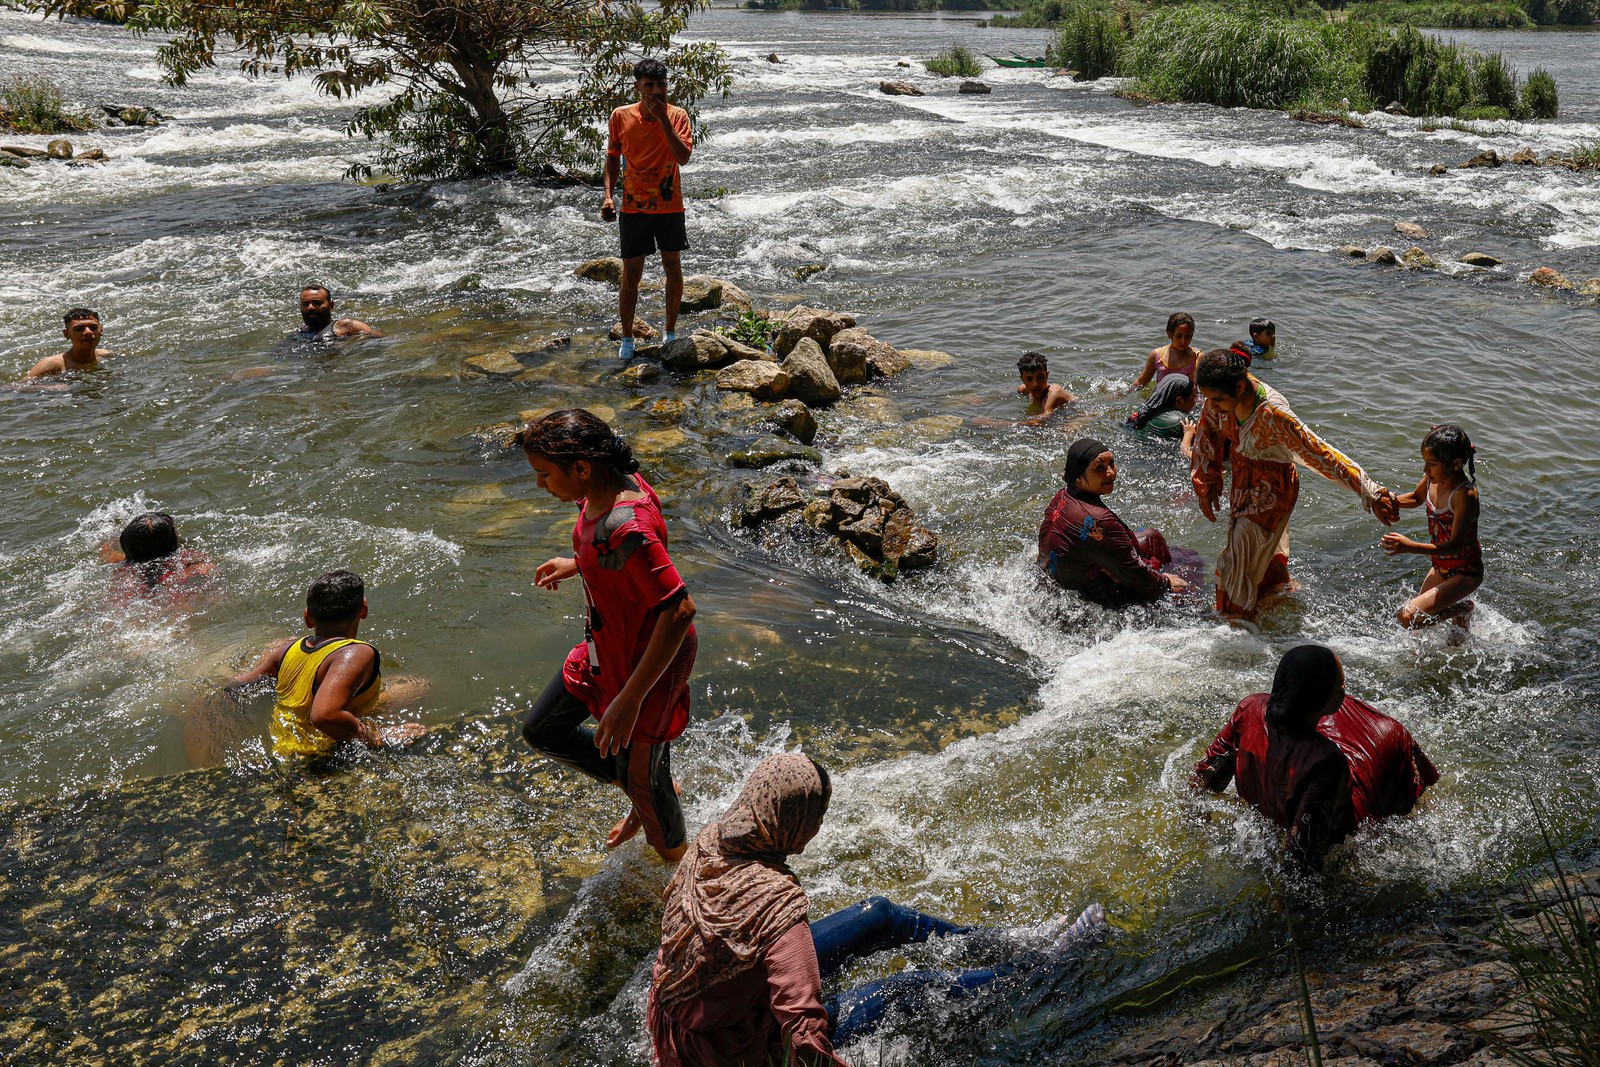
(1084,546)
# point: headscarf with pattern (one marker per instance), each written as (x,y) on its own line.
(733,895)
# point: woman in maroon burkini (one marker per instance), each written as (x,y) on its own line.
(1315,761)
(1084,546)
(631,671)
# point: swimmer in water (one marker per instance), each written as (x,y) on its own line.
(330,685)
(1263,339)
(1449,491)
(1177,356)
(151,558)
(1045,397)
(631,671)
(316,309)
(83,331)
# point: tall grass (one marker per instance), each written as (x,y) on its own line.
(955,61)
(36,105)
(1450,14)
(1089,40)
(1539,99)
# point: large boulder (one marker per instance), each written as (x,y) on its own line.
(1549,278)
(1384,256)
(886,362)
(1411,230)
(701,292)
(848,352)
(60,148)
(762,380)
(819,324)
(608,270)
(1417,259)
(771,501)
(811,380)
(701,350)
(896,88)
(794,419)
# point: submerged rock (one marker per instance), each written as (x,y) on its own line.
(499,364)
(1411,230)
(794,419)
(771,450)
(812,381)
(927,358)
(1550,278)
(808,270)
(14,161)
(639,371)
(894,88)
(1480,259)
(1590,287)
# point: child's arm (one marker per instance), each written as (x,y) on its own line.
(1414,498)
(672,626)
(1149,371)
(1056,397)
(265,666)
(552,572)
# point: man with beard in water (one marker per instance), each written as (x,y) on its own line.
(1086,547)
(1317,762)
(316,308)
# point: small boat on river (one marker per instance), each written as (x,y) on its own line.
(1021,61)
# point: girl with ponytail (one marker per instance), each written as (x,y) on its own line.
(631,671)
(1449,491)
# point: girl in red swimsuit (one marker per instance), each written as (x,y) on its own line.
(1449,491)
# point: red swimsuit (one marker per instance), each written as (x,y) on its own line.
(1441,525)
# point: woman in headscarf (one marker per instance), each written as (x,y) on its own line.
(1314,760)
(1084,546)
(738,981)
(1165,413)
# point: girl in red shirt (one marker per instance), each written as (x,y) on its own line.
(631,671)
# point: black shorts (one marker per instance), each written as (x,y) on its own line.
(643,233)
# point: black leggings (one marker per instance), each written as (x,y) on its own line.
(557,728)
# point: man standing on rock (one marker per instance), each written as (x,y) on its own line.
(653,139)
(83,330)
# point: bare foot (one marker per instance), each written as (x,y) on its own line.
(626,829)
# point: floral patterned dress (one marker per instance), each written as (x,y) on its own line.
(1262,452)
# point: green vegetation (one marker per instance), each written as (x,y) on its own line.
(1089,40)
(753,329)
(957,61)
(1548,938)
(1212,55)
(1450,14)
(1587,156)
(36,105)
(466,80)
(875,5)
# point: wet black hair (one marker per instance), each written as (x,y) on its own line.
(571,434)
(650,70)
(149,537)
(78,315)
(1179,318)
(1221,368)
(335,597)
(1265,326)
(317,286)
(1032,361)
(1449,443)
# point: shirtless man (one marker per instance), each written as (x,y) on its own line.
(1045,397)
(316,308)
(83,330)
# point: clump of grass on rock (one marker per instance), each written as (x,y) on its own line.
(957,61)
(34,104)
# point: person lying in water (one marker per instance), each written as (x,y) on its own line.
(1314,760)
(738,979)
(1086,547)
(151,558)
(1045,397)
(83,332)
(330,685)
(316,310)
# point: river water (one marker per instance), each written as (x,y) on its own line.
(1001,754)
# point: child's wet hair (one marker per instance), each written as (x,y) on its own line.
(149,537)
(1032,361)
(1266,326)
(79,315)
(335,597)
(1179,318)
(1448,443)
(1221,368)
(566,436)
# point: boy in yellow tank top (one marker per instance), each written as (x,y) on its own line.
(329,685)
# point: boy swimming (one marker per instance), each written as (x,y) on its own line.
(1045,397)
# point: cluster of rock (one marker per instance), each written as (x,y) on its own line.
(867,520)
(1525,157)
(57,151)
(132,115)
(1434,993)
(1416,258)
(900,88)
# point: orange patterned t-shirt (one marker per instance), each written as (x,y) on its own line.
(650,180)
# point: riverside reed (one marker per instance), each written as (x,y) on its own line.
(957,61)
(1089,39)
(1454,14)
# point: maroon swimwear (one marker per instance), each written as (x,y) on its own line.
(1084,546)
(1441,525)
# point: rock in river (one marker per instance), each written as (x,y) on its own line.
(1550,278)
(701,350)
(973,88)
(1480,259)
(848,352)
(608,270)
(1417,259)
(1411,230)
(794,419)
(819,324)
(894,88)
(1383,255)
(812,381)
(762,380)
(60,148)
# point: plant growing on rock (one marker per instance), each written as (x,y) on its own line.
(957,61)
(1539,99)
(472,80)
(37,105)
(752,328)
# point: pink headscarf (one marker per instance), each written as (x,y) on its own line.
(733,895)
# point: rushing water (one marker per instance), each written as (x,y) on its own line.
(1001,753)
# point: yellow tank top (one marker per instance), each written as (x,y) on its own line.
(291,731)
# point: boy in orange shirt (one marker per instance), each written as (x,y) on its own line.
(654,138)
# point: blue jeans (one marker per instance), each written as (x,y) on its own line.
(875,924)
